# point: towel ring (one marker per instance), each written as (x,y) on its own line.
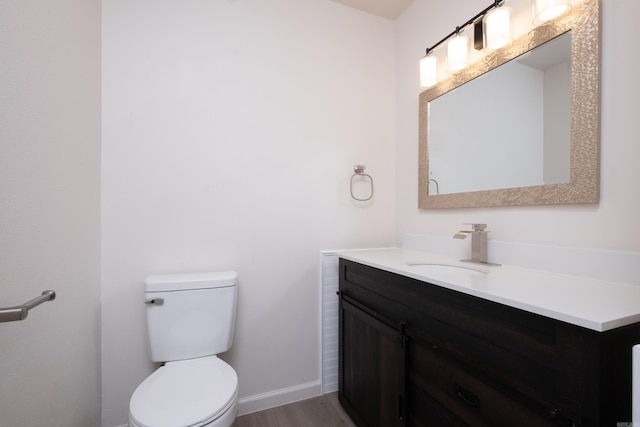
(359,171)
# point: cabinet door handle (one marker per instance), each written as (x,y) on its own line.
(467,397)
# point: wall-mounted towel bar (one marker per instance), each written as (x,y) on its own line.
(20,312)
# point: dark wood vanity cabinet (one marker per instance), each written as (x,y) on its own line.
(417,354)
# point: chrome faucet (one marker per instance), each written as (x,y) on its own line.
(478,243)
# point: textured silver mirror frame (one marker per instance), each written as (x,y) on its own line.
(584,187)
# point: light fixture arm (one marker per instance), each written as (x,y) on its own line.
(496,4)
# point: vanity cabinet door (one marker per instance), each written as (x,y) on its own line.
(371,367)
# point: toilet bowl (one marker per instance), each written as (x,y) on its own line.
(190,320)
(188,393)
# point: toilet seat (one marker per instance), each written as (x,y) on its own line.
(186,393)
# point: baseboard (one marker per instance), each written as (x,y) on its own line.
(283,396)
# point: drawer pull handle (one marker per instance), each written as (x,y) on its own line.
(467,397)
(561,419)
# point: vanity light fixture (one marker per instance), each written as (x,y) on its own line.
(546,10)
(492,29)
(458,46)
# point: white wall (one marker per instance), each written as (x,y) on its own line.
(611,224)
(230,131)
(50,211)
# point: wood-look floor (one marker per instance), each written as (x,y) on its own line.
(321,411)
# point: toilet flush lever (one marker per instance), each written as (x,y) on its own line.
(156,301)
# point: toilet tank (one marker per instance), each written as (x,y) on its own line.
(190,315)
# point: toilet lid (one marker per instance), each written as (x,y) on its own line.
(185,393)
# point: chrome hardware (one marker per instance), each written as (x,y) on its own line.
(359,173)
(20,312)
(437,186)
(478,243)
(467,397)
(155,301)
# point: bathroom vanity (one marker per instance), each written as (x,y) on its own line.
(426,341)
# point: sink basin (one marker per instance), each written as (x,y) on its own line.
(442,268)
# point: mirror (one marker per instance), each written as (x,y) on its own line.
(521,126)
(514,118)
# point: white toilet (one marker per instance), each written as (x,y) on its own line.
(191,319)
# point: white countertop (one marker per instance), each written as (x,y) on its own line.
(592,304)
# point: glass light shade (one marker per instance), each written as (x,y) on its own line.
(428,71)
(497,24)
(458,53)
(546,10)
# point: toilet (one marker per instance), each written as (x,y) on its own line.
(190,319)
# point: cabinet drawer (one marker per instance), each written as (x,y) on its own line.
(546,386)
(434,377)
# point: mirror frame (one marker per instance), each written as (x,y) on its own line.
(584,187)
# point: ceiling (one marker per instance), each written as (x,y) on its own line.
(390,9)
